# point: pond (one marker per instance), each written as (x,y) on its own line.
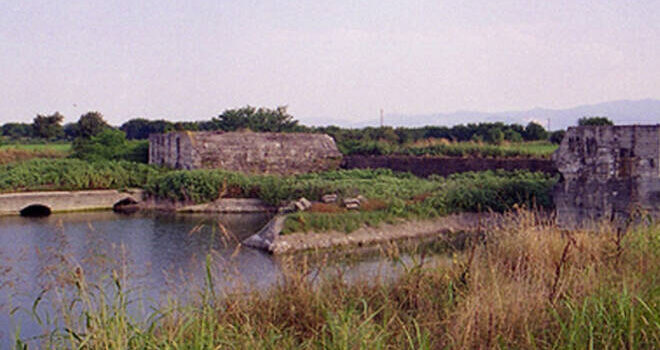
(160,253)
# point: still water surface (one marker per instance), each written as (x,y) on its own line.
(162,254)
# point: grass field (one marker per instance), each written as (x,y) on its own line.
(11,153)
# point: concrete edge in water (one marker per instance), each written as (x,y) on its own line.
(89,200)
(66,201)
(270,239)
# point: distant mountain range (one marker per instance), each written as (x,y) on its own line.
(621,112)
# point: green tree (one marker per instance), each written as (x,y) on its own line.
(140,128)
(108,144)
(90,124)
(494,136)
(557,136)
(70,130)
(512,135)
(534,131)
(261,119)
(594,121)
(17,130)
(48,126)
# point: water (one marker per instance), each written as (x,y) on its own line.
(160,253)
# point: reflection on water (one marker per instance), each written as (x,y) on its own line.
(157,253)
(161,252)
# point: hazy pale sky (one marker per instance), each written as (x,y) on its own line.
(343,60)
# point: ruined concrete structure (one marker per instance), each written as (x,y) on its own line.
(250,152)
(608,173)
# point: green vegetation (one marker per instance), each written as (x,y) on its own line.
(72,174)
(55,147)
(473,140)
(256,119)
(417,198)
(111,144)
(530,286)
(10,153)
(594,121)
(397,195)
(535,149)
(476,140)
(48,127)
(205,185)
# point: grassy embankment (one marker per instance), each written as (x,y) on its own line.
(72,174)
(390,196)
(529,285)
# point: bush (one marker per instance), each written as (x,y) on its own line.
(111,144)
(557,136)
(594,121)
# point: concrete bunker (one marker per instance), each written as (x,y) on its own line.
(250,152)
(609,173)
(35,210)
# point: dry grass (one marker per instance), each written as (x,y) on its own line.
(526,284)
(373,205)
(318,207)
(11,155)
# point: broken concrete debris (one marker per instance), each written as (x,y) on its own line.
(329,198)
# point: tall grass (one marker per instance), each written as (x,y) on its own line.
(72,174)
(526,284)
(401,195)
(496,191)
(206,185)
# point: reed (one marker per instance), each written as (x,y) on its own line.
(526,284)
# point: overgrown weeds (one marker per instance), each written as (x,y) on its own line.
(504,292)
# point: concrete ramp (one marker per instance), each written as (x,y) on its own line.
(60,201)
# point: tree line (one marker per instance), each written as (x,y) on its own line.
(50,128)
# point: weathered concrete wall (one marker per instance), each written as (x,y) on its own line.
(425,166)
(58,201)
(173,149)
(277,153)
(608,172)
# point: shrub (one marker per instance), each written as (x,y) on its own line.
(111,144)
(557,136)
(594,121)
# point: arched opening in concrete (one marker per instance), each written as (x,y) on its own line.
(127,205)
(35,210)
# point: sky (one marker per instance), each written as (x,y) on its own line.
(327,61)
